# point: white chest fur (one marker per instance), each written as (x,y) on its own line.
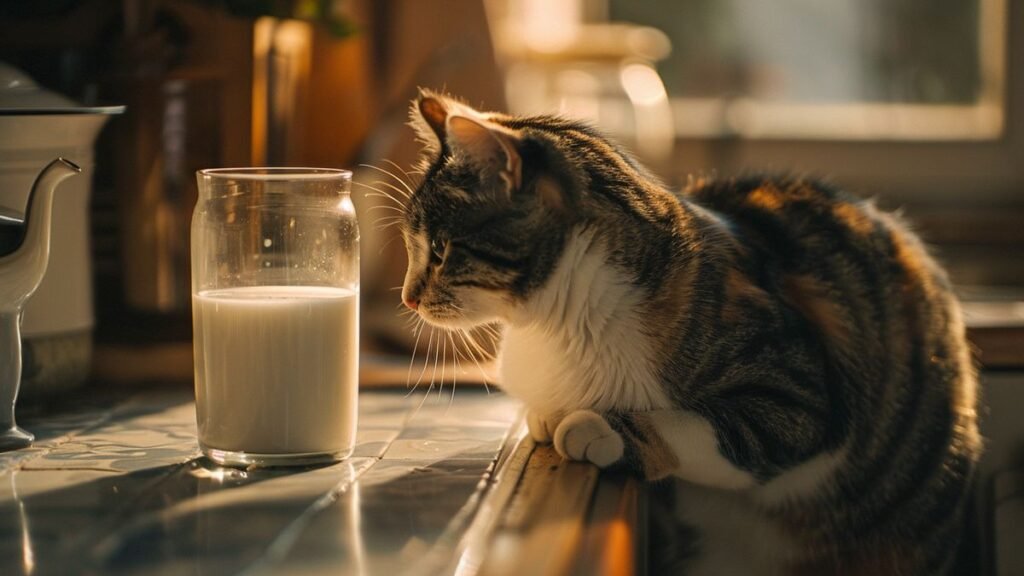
(580,343)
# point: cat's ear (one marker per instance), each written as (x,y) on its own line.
(446,124)
(433,112)
(427,116)
(490,147)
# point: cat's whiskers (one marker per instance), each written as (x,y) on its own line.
(408,189)
(491,331)
(491,335)
(398,218)
(386,244)
(389,200)
(410,183)
(455,370)
(418,331)
(433,374)
(375,192)
(426,359)
(386,222)
(378,193)
(473,345)
(386,207)
(444,364)
(401,193)
(483,375)
(389,217)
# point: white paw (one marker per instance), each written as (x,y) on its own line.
(586,436)
(542,429)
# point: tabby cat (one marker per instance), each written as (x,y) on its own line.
(788,352)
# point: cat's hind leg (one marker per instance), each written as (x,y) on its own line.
(655,444)
(685,444)
(680,443)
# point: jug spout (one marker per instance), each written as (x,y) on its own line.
(22,270)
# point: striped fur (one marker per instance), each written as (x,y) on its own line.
(786,352)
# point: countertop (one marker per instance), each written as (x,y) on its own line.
(115,484)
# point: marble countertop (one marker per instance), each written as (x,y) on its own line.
(115,484)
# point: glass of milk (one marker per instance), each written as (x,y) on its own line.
(275,312)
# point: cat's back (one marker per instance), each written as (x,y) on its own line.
(791,219)
(860,276)
(901,377)
(856,272)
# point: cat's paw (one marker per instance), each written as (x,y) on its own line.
(586,436)
(542,429)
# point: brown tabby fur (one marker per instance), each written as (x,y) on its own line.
(798,320)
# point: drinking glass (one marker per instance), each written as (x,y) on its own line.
(275,311)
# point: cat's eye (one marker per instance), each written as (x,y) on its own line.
(437,247)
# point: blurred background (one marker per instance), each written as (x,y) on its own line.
(909,101)
(917,103)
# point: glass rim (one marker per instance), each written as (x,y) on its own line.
(277,173)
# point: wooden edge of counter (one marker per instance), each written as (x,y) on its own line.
(616,535)
(545,516)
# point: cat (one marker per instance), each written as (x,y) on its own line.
(786,355)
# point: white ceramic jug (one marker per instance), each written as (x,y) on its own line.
(23,257)
(36,126)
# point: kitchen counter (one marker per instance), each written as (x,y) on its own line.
(115,484)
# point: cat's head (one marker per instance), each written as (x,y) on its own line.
(486,226)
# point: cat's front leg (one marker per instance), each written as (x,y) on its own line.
(586,436)
(542,427)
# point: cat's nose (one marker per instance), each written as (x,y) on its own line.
(411,303)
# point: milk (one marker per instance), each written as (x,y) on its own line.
(277,369)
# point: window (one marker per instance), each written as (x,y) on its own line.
(847,69)
(909,100)
(914,102)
